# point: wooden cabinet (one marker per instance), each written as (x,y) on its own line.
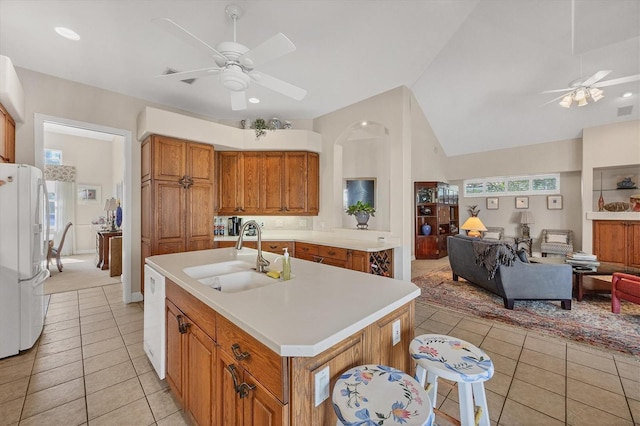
(617,241)
(436,217)
(191,357)
(177,195)
(378,263)
(222,375)
(268,183)
(7,137)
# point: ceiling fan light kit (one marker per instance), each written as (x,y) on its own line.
(235,62)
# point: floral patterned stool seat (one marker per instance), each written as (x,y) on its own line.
(454,359)
(380,395)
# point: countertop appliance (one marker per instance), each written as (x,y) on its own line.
(24,235)
(235,224)
(154,335)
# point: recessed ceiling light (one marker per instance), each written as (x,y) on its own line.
(254,100)
(67,33)
(626,94)
(364,123)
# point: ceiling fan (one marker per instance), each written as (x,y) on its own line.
(581,90)
(235,62)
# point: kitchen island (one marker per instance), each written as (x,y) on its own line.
(270,354)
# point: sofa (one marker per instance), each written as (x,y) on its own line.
(513,277)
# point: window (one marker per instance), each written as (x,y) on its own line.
(51,193)
(53,156)
(513,185)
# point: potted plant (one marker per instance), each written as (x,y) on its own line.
(362,212)
(260,126)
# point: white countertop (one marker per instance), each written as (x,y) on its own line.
(334,239)
(613,215)
(304,316)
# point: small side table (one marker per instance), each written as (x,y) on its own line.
(528,241)
(103,248)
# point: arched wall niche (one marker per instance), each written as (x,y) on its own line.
(362,151)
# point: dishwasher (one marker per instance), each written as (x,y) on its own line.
(154,338)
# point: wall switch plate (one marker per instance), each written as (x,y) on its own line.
(302,223)
(322,385)
(279,223)
(396,332)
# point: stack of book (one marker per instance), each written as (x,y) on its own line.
(582,260)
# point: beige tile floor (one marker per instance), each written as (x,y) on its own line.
(89,368)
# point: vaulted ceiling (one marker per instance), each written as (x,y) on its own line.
(476,67)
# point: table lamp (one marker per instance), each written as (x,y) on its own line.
(474,225)
(526,218)
(110,207)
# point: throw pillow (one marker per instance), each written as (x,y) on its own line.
(491,236)
(557,238)
(522,254)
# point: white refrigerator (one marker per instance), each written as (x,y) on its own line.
(23,256)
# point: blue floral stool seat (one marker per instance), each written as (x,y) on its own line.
(380,395)
(459,361)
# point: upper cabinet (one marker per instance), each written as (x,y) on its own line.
(177,196)
(268,183)
(7,137)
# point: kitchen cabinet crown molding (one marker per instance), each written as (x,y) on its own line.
(224,138)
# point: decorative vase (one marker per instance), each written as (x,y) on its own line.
(362,218)
(426,229)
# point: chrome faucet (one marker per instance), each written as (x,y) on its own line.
(261,262)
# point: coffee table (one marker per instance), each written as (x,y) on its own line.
(605,268)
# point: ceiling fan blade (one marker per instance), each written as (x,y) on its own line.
(595,78)
(558,90)
(181,33)
(238,100)
(279,86)
(273,48)
(620,80)
(554,99)
(185,75)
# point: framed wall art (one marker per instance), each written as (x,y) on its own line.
(89,194)
(493,203)
(554,202)
(522,202)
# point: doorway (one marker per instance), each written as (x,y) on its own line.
(122,189)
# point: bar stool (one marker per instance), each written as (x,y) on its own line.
(454,359)
(371,394)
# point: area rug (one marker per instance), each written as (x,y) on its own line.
(589,321)
(79,272)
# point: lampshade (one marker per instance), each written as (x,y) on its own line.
(526,217)
(474,225)
(110,205)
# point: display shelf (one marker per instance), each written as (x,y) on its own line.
(436,205)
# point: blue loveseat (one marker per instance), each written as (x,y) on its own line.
(513,279)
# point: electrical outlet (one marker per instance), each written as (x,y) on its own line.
(322,385)
(302,223)
(396,332)
(262,224)
(279,223)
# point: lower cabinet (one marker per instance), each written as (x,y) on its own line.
(191,369)
(223,376)
(378,263)
(617,241)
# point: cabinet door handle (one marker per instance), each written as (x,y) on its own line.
(332,253)
(235,348)
(182,326)
(241,389)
